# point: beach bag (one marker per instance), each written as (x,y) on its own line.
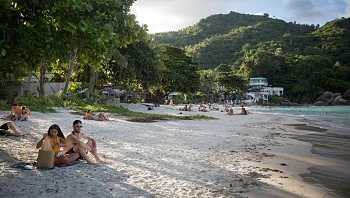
(46,156)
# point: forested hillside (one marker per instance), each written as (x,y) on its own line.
(304,59)
(216,38)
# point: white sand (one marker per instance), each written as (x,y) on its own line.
(172,158)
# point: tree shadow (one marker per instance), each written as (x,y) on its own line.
(79,180)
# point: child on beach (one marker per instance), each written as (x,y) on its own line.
(57,140)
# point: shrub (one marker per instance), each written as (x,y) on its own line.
(273,99)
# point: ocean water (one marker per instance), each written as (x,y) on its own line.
(332,141)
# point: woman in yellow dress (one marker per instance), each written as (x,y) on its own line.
(57,140)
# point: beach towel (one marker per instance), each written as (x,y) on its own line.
(31,166)
(46,156)
(47,169)
(22,166)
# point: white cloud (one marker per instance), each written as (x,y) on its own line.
(347,10)
(172,15)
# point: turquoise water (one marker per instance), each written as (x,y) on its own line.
(333,143)
(333,116)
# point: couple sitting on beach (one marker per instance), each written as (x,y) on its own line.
(186,108)
(17,113)
(74,148)
(98,117)
(244,112)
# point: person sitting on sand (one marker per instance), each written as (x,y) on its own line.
(25,113)
(226,108)
(189,107)
(5,129)
(75,145)
(230,112)
(98,117)
(215,107)
(204,109)
(184,109)
(244,112)
(15,113)
(57,140)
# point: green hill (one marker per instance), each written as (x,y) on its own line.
(304,59)
(213,25)
(217,38)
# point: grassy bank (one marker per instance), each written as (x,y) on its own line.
(81,105)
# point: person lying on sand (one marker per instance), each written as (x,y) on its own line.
(5,129)
(98,117)
(25,113)
(57,140)
(75,145)
(185,108)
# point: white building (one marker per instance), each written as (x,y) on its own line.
(259,89)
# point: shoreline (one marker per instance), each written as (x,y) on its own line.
(292,158)
(172,158)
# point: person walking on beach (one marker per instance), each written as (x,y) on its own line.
(75,144)
(57,140)
(6,127)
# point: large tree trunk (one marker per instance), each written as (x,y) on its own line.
(92,81)
(125,99)
(29,80)
(42,80)
(70,70)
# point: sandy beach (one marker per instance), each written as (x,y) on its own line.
(233,156)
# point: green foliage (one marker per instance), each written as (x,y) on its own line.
(38,32)
(72,101)
(75,86)
(3,90)
(273,99)
(34,103)
(232,82)
(219,24)
(227,35)
(304,59)
(178,72)
(4,106)
(186,101)
(178,101)
(141,69)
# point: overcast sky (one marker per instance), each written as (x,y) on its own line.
(169,15)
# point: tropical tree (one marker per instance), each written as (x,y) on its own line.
(41,33)
(178,72)
(232,83)
(140,72)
